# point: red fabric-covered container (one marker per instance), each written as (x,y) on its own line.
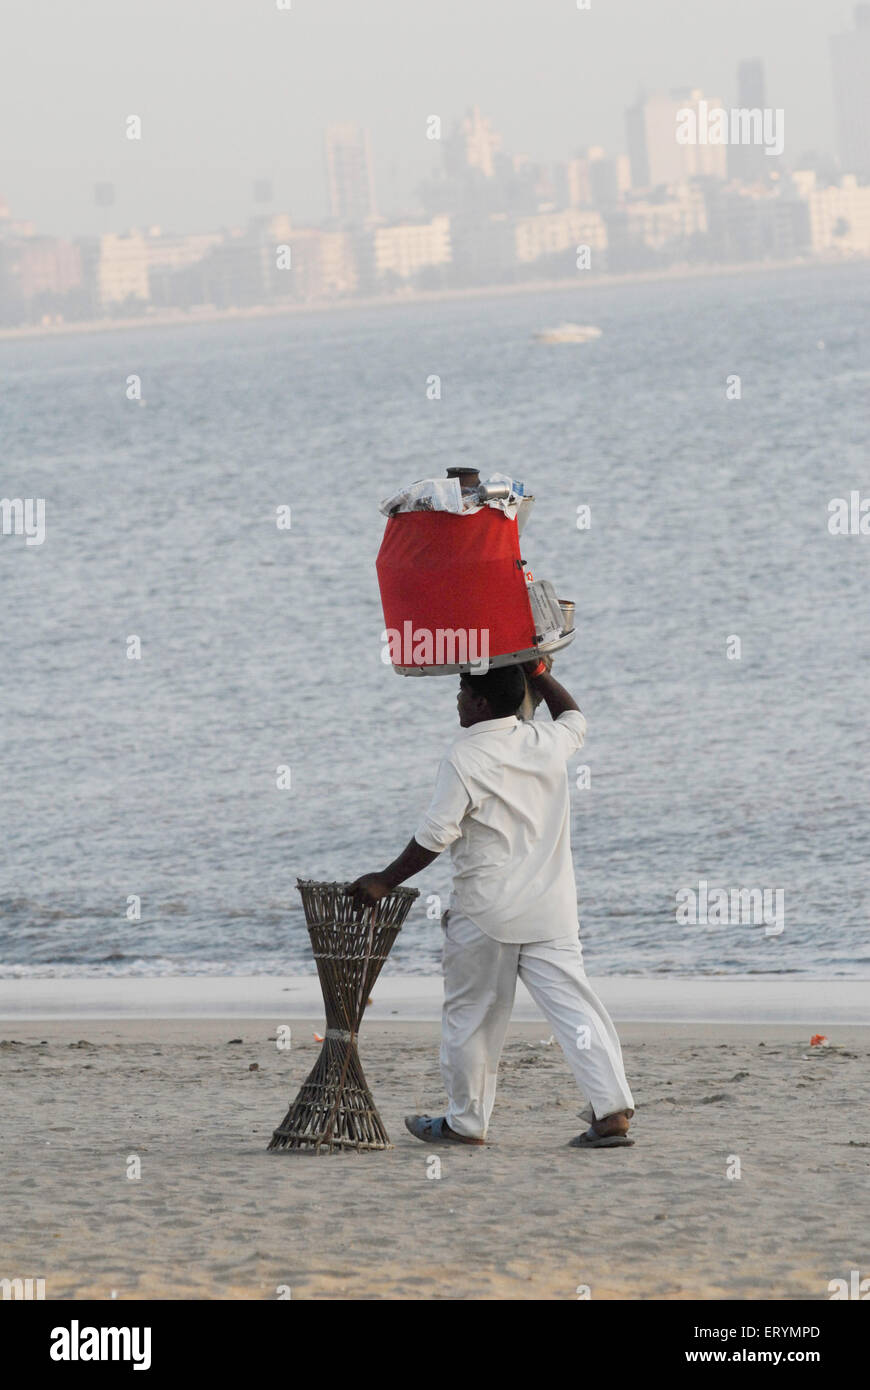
(440,573)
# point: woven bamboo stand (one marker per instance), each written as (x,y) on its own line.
(334,1109)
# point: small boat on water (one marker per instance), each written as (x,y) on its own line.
(568,333)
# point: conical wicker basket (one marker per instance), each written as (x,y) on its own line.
(334,1109)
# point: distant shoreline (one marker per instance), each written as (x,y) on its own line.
(183,319)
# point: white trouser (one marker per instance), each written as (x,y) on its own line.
(480,980)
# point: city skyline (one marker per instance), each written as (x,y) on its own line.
(700,177)
(72,134)
(682,197)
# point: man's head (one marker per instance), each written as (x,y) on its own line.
(492,696)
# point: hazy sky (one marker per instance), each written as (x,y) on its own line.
(234,90)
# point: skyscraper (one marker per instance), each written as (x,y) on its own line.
(473,144)
(750,83)
(653,151)
(850,65)
(349,175)
(656,155)
(748,163)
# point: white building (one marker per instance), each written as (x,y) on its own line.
(323,263)
(122,269)
(660,224)
(176,252)
(839,216)
(403,248)
(546,233)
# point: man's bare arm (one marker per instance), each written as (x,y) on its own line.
(368,888)
(412,859)
(555,695)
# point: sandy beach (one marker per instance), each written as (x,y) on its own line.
(213,1215)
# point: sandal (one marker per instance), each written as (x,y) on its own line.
(591,1140)
(434,1130)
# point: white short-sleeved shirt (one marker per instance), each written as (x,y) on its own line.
(501,803)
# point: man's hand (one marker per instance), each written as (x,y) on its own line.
(370,888)
(545,686)
(367,890)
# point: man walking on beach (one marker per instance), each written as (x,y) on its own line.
(501,804)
